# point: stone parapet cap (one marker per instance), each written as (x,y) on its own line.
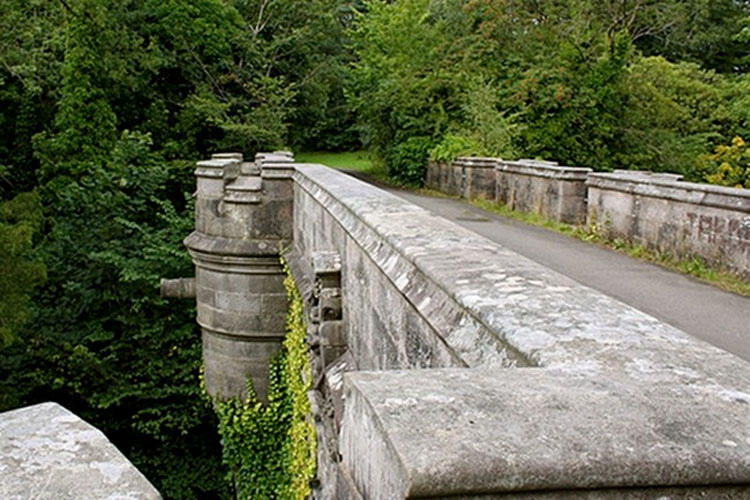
(217,168)
(550,170)
(544,317)
(276,165)
(569,389)
(670,187)
(244,190)
(443,432)
(227,156)
(475,162)
(47,452)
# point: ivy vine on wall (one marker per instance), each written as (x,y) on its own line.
(270,449)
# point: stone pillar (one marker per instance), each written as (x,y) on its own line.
(242,221)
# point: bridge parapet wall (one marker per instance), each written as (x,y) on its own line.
(467,371)
(473,372)
(552,191)
(656,210)
(680,218)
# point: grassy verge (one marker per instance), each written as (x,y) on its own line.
(359,161)
(350,160)
(693,266)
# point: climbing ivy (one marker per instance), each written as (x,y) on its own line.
(270,449)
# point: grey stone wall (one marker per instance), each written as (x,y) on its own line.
(517,379)
(447,366)
(243,217)
(478,175)
(681,218)
(467,177)
(48,453)
(555,192)
(656,210)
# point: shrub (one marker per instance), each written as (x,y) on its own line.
(408,161)
(451,147)
(729,165)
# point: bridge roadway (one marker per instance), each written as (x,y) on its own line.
(704,311)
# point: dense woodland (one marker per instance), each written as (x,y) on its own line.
(105,105)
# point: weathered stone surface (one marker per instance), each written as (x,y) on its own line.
(179,288)
(434,433)
(48,453)
(544,188)
(568,393)
(680,218)
(415,285)
(243,220)
(477,177)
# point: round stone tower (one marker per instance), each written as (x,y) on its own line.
(243,218)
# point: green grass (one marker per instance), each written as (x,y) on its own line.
(692,266)
(360,161)
(351,160)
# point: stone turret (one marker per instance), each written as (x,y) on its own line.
(243,218)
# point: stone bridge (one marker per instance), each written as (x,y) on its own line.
(448,366)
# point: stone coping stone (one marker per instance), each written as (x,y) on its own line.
(442,432)
(670,187)
(549,170)
(218,168)
(48,453)
(475,162)
(227,156)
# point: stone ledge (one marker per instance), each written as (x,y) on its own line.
(475,162)
(216,248)
(544,169)
(669,187)
(375,220)
(625,400)
(435,433)
(48,453)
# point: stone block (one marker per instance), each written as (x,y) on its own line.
(446,433)
(48,453)
(680,218)
(553,191)
(229,361)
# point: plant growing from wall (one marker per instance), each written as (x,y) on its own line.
(270,449)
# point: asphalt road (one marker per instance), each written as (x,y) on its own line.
(704,311)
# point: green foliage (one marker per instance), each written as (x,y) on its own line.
(492,129)
(402,83)
(729,165)
(563,81)
(100,340)
(451,147)
(20,220)
(675,113)
(407,162)
(31,46)
(270,449)
(112,92)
